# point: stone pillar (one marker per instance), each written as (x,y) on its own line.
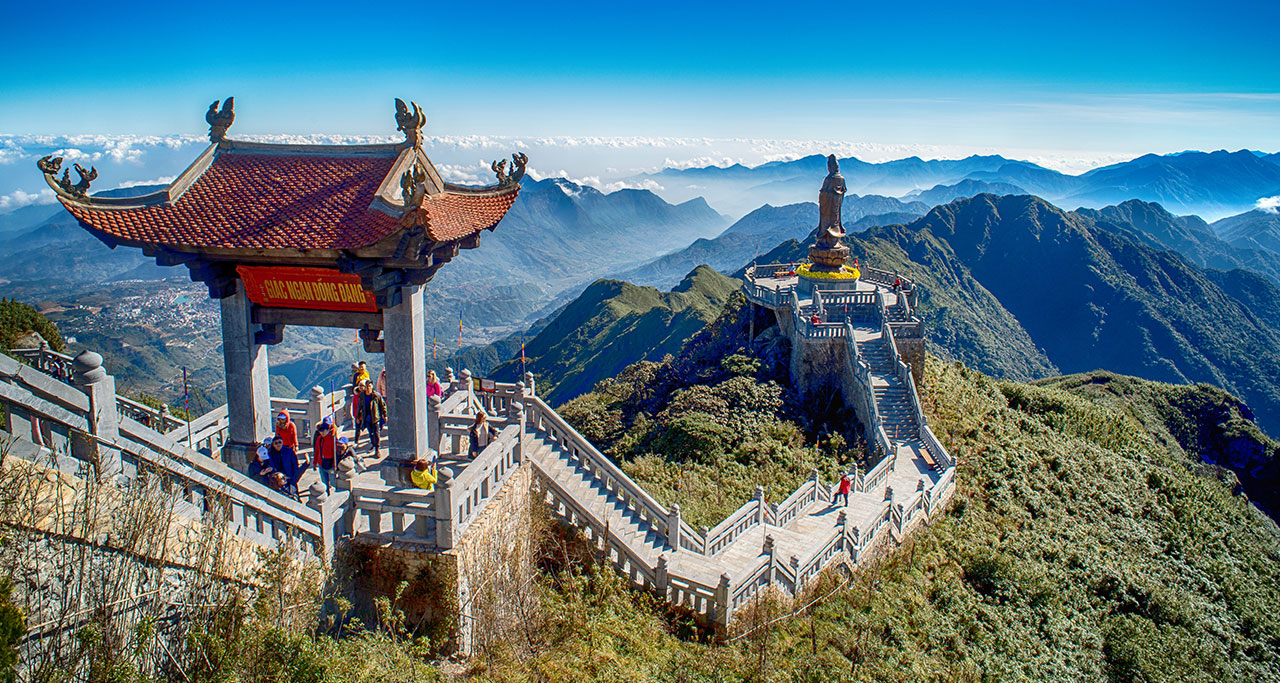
(406,355)
(724,610)
(517,413)
(433,422)
(443,503)
(248,382)
(528,382)
(673,527)
(104,420)
(315,411)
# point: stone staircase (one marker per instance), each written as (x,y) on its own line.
(605,505)
(892,401)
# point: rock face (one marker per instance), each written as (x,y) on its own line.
(30,340)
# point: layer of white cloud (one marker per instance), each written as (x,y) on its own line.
(1270,204)
(607,164)
(18,199)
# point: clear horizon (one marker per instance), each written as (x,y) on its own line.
(1068,88)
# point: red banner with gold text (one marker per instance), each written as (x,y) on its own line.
(311,288)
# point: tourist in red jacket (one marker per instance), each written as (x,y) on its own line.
(287,430)
(846,484)
(324,451)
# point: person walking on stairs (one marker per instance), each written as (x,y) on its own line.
(846,484)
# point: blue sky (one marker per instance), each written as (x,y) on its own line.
(1082,75)
(599,92)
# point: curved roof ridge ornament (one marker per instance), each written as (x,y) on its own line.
(410,121)
(220,120)
(518,162)
(50,165)
(413,186)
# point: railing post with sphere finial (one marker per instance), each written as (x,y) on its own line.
(104,419)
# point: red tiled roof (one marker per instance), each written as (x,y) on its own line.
(454,216)
(288,201)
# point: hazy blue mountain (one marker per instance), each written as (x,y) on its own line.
(759,230)
(1187,235)
(738,189)
(1079,293)
(1256,229)
(28,217)
(969,187)
(1212,184)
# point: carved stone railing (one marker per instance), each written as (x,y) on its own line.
(206,434)
(48,361)
(463,491)
(543,419)
(158,419)
(384,514)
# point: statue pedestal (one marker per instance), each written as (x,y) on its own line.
(830,259)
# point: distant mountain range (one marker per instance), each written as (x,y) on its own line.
(1254,230)
(556,239)
(613,324)
(1020,288)
(1213,184)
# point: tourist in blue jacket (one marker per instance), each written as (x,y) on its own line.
(285,461)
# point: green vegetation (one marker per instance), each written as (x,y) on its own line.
(705,429)
(1201,421)
(17,319)
(1078,547)
(614,324)
(1020,289)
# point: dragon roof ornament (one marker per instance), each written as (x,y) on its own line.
(220,120)
(410,121)
(50,165)
(518,161)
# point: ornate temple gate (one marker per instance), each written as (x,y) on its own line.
(320,235)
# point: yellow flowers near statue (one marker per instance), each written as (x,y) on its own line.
(849,273)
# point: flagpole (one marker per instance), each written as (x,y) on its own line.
(186,407)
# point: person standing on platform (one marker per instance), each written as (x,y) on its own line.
(382,392)
(481,434)
(369,411)
(324,451)
(362,372)
(287,430)
(843,491)
(433,385)
(353,392)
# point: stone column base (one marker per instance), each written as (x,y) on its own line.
(237,455)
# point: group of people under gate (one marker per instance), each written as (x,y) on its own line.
(280,462)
